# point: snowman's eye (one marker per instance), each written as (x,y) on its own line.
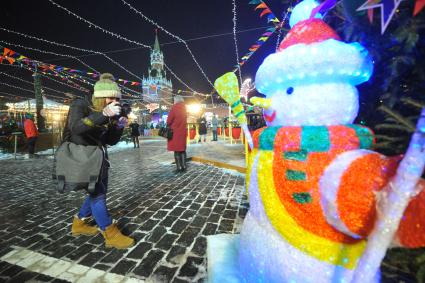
(289,90)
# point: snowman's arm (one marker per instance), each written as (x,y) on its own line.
(348,189)
(264,103)
(401,189)
(411,231)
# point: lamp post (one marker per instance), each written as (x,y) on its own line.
(56,119)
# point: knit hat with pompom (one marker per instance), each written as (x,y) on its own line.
(106,87)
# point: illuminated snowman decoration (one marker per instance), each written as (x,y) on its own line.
(312,181)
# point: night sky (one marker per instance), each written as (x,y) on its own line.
(194,21)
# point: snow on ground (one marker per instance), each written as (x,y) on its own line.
(49,152)
(6,156)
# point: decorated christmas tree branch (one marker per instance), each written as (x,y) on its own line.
(402,120)
(393,127)
(412,102)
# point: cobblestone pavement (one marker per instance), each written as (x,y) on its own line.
(169,214)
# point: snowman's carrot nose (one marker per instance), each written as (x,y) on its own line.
(265,103)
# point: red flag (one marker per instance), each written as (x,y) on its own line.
(8,52)
(10,59)
(370,15)
(262,5)
(265,12)
(419,5)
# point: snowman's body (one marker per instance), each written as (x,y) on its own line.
(286,236)
(303,225)
(313,182)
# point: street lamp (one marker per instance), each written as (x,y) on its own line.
(56,119)
(193,108)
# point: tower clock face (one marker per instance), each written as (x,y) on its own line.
(156,57)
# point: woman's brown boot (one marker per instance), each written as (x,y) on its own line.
(80,227)
(115,239)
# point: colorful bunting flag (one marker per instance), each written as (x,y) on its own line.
(323,7)
(58,71)
(265,11)
(419,5)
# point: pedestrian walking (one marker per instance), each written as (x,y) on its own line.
(135,133)
(98,122)
(202,130)
(142,129)
(214,125)
(177,121)
(31,133)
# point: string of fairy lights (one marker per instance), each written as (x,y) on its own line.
(70,84)
(236,40)
(279,35)
(170,34)
(27,90)
(48,77)
(70,47)
(91,24)
(29,82)
(90,51)
(50,52)
(114,35)
(126,91)
(137,94)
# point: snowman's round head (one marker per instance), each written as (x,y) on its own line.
(311,78)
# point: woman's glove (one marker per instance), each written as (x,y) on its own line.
(122,123)
(112,109)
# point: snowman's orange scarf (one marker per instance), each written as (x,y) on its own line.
(315,138)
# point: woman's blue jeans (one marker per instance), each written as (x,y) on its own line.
(95,205)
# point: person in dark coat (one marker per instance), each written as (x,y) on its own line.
(97,122)
(135,133)
(202,130)
(177,121)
